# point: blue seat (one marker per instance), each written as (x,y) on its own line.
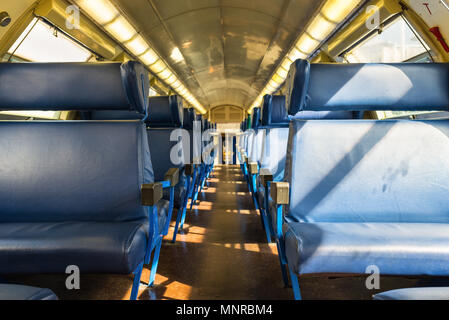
(402,194)
(365,192)
(273,137)
(91,212)
(255,138)
(208,155)
(163,206)
(170,146)
(19,292)
(273,133)
(433,293)
(205,158)
(193,127)
(252,154)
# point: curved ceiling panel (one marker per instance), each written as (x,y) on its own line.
(228,48)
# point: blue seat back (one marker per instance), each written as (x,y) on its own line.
(368,171)
(188,123)
(274,111)
(73,170)
(252,141)
(274,128)
(255,122)
(188,118)
(165,114)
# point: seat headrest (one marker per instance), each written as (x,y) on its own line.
(189,117)
(165,111)
(256,118)
(360,87)
(274,112)
(74,86)
(203,123)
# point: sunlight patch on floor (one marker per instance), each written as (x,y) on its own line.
(269,248)
(173,289)
(240,211)
(209,190)
(189,234)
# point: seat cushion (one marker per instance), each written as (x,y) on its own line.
(395,248)
(19,292)
(441,293)
(97,247)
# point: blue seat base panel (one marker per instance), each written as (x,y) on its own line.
(438,293)
(395,248)
(95,247)
(19,292)
(162,214)
(179,192)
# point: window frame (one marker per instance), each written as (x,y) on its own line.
(379,30)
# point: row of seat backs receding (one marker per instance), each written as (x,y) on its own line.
(170,146)
(399,169)
(274,115)
(109,168)
(165,114)
(268,143)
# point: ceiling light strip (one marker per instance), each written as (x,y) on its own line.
(107,15)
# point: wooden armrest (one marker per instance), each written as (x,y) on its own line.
(253,168)
(151,193)
(172,175)
(280,192)
(265,176)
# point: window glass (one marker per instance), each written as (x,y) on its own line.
(396,43)
(153,92)
(41,43)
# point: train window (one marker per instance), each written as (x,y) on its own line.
(153,92)
(396,42)
(41,42)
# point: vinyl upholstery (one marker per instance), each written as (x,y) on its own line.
(20,292)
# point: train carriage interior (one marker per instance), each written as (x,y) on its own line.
(224,150)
